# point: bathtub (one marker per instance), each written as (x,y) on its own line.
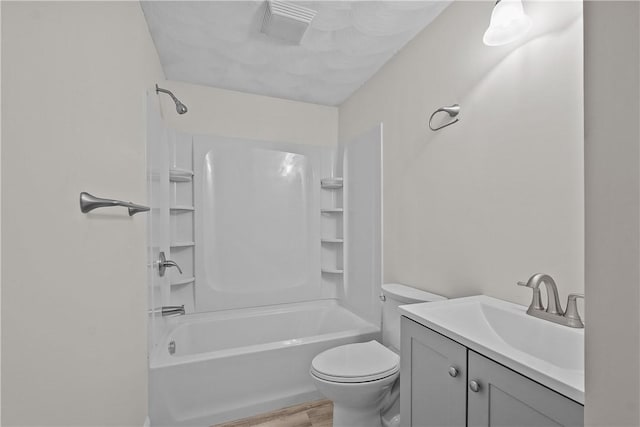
(233,364)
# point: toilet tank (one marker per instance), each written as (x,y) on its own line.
(395,295)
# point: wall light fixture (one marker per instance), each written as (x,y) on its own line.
(508,23)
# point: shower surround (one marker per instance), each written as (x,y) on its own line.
(281,260)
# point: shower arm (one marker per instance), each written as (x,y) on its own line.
(180,107)
(168,92)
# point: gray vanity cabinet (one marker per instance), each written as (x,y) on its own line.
(445,384)
(433,371)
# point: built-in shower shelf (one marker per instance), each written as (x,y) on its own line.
(331,210)
(332,271)
(323,240)
(180,175)
(182,244)
(186,281)
(178,209)
(331,183)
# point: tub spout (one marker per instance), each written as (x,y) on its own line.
(173,310)
(169,310)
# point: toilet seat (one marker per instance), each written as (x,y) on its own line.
(356,363)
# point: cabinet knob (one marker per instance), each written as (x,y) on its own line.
(474,386)
(453,371)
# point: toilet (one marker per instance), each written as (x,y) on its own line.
(362,378)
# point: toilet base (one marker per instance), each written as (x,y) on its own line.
(356,404)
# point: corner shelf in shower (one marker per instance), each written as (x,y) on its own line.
(332,271)
(185,281)
(178,209)
(332,246)
(323,240)
(182,244)
(331,183)
(180,175)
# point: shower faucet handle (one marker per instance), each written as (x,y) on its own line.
(164,263)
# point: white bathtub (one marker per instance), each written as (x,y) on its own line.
(234,364)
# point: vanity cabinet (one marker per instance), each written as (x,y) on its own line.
(445,384)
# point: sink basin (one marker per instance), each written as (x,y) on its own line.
(546,352)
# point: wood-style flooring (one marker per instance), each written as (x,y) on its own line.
(309,414)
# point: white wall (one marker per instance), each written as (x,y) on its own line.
(242,115)
(0,217)
(612,181)
(362,200)
(498,196)
(74,286)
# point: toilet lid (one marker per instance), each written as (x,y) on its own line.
(360,362)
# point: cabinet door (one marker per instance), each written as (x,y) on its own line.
(431,395)
(506,398)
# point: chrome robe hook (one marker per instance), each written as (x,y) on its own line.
(452,110)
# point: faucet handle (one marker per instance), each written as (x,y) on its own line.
(536,301)
(163,263)
(571,314)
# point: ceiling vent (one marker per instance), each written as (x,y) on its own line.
(286,21)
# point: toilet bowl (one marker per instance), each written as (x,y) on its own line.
(359,377)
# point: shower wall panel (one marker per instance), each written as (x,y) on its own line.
(158,218)
(257,222)
(362,168)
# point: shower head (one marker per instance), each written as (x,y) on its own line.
(180,107)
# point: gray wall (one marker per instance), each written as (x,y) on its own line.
(497,197)
(612,202)
(74,296)
(214,111)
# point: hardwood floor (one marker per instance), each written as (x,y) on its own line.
(309,414)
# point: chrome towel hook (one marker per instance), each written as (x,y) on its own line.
(453,111)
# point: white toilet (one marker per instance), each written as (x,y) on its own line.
(359,377)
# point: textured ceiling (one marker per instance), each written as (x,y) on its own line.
(219,43)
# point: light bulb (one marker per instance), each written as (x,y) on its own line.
(508,23)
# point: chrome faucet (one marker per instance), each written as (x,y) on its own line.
(169,310)
(173,310)
(553,301)
(553,312)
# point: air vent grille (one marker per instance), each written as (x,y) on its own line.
(286,21)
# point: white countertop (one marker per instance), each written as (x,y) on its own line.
(548,353)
